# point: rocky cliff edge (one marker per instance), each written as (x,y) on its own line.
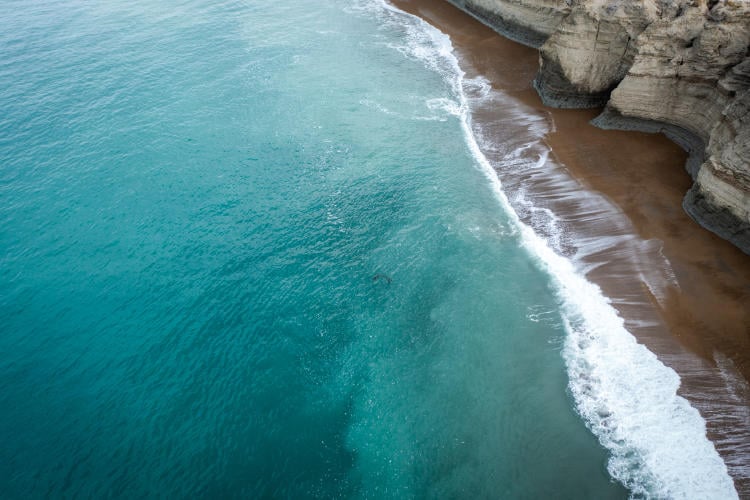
(680,67)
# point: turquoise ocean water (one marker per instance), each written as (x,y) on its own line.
(249,249)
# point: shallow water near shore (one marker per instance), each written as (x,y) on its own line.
(255,250)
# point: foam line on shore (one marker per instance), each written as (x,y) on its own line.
(626,396)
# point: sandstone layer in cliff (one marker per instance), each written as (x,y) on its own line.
(680,67)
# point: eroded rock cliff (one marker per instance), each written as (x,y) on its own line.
(681,67)
(529,22)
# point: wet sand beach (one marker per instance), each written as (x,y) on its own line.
(681,290)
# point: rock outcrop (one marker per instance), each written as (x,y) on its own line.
(681,67)
(529,22)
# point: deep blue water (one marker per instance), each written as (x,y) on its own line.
(245,251)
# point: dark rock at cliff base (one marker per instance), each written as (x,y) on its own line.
(693,145)
(716,218)
(679,67)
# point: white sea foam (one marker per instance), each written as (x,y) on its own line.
(627,397)
(437,104)
(444,104)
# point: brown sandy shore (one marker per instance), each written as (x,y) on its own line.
(703,315)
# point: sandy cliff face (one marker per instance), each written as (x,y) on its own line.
(590,52)
(529,22)
(681,67)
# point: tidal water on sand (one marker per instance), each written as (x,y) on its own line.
(252,249)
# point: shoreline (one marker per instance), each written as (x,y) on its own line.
(681,290)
